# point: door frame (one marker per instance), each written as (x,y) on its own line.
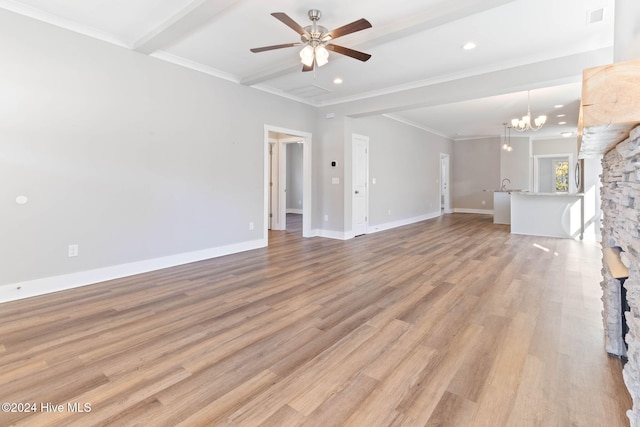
(447,194)
(306,178)
(536,169)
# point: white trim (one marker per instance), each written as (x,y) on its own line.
(295,211)
(15,291)
(192,65)
(58,21)
(402,222)
(474,211)
(415,125)
(330,234)
(306,180)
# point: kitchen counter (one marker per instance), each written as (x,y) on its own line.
(548,214)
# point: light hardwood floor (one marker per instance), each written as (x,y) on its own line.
(447,322)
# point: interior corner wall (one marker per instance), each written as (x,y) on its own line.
(405,163)
(129,157)
(516,164)
(475,168)
(328,180)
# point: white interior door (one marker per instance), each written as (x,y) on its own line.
(445,197)
(360,190)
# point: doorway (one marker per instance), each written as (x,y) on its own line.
(445,196)
(551,173)
(275,173)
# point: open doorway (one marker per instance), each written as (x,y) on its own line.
(552,173)
(445,197)
(277,169)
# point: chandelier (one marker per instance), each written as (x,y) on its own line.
(524,123)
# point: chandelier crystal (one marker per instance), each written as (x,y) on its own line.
(524,123)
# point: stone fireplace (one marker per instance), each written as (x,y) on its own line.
(621,231)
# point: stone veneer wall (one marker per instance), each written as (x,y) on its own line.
(620,228)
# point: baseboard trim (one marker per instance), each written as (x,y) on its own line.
(330,234)
(474,211)
(31,288)
(401,222)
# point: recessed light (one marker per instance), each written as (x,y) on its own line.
(562,123)
(561,115)
(558,106)
(566,134)
(469,46)
(337,80)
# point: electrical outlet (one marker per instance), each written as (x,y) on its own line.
(251,226)
(326,217)
(484,203)
(72,251)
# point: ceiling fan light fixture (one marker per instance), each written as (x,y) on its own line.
(322,55)
(306,55)
(315,40)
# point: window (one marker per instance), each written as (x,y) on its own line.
(562,176)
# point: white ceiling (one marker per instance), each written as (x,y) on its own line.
(414,44)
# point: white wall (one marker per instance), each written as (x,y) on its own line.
(127,156)
(405,162)
(515,165)
(475,167)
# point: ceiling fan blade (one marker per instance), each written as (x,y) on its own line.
(308,67)
(359,25)
(349,52)
(286,20)
(275,46)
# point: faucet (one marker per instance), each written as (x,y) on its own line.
(504,185)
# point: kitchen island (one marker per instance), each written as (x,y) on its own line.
(548,214)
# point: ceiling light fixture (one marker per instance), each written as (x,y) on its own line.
(566,134)
(314,48)
(469,46)
(562,123)
(337,80)
(507,138)
(524,124)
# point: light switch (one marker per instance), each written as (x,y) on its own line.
(373,180)
(335,180)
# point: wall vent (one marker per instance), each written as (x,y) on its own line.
(594,16)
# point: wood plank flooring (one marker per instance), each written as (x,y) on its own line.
(447,322)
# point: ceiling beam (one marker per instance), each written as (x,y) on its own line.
(551,72)
(188,19)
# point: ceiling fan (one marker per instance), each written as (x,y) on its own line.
(317,40)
